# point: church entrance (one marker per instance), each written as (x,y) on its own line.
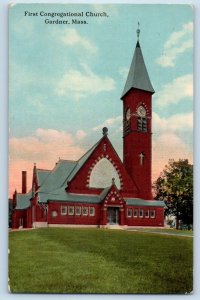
(112,215)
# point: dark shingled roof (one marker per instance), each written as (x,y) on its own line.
(138,76)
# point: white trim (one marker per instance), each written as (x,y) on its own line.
(40,224)
(70,213)
(85,207)
(135,210)
(141,210)
(154,213)
(93,213)
(127,213)
(146,211)
(63,207)
(78,208)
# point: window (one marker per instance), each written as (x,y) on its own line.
(71,210)
(141,213)
(153,213)
(142,124)
(63,210)
(78,211)
(54,213)
(85,211)
(129,212)
(147,213)
(21,222)
(135,214)
(92,211)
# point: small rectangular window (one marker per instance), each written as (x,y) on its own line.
(141,213)
(147,213)
(153,214)
(63,210)
(71,210)
(85,211)
(92,211)
(135,213)
(129,212)
(78,210)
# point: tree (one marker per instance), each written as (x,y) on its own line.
(175,187)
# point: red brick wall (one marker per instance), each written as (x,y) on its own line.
(17,215)
(158,221)
(73,219)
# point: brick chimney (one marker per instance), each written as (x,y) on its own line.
(24,183)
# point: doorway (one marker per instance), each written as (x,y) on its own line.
(113,215)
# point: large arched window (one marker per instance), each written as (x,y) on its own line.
(102,175)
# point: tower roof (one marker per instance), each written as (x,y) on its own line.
(138,76)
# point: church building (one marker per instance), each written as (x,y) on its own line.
(66,196)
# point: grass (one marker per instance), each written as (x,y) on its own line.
(79,261)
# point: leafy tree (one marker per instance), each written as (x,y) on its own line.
(175,187)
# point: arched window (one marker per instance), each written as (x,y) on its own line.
(141,119)
(102,175)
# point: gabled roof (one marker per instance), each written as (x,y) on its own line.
(82,160)
(105,192)
(62,196)
(42,175)
(23,200)
(58,175)
(64,172)
(138,76)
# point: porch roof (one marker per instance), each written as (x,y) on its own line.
(23,200)
(142,202)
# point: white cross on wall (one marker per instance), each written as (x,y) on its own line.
(141,155)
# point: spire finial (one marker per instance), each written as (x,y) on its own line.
(105,131)
(138,31)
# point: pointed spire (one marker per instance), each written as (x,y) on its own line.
(138,76)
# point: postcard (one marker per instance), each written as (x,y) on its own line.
(101,148)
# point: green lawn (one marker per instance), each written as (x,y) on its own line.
(77,261)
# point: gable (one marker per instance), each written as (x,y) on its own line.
(103,149)
(113,197)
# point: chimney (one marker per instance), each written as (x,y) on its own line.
(24,182)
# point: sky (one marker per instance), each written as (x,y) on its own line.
(65,81)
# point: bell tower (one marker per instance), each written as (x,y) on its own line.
(137,123)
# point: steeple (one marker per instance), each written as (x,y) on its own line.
(138,77)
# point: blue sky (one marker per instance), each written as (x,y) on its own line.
(66,80)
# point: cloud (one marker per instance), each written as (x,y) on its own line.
(174,92)
(72,38)
(168,140)
(175,123)
(166,146)
(44,147)
(83,83)
(111,122)
(177,43)
(80,134)
(124,72)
